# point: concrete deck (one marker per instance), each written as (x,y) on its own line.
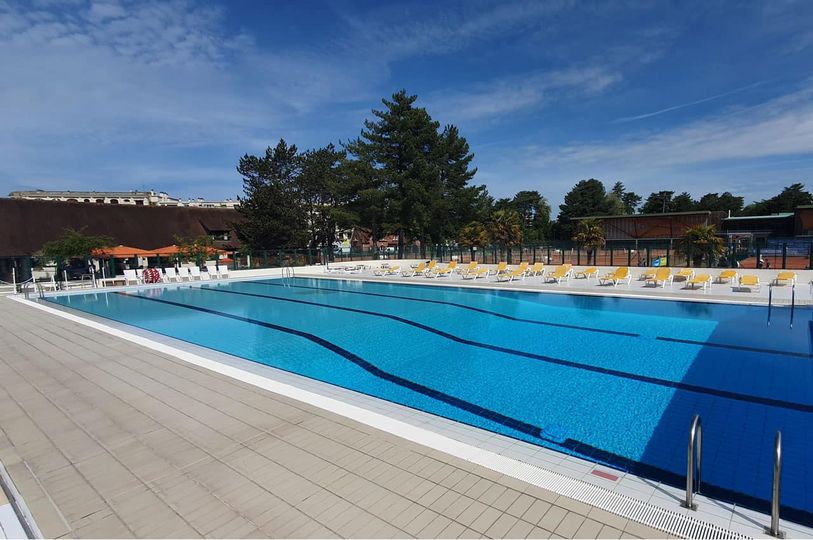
(104,438)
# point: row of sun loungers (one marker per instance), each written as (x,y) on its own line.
(180,274)
(656,277)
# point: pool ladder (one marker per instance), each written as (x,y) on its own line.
(288,273)
(693,465)
(792,302)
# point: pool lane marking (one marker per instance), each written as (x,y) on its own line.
(534,356)
(454,304)
(734,347)
(546,323)
(488,414)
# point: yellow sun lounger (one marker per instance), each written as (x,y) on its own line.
(502,267)
(480,272)
(749,282)
(537,269)
(519,273)
(785,277)
(662,276)
(646,275)
(439,272)
(420,269)
(699,279)
(621,274)
(559,274)
(587,272)
(686,274)
(727,276)
(466,269)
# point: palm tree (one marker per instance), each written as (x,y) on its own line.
(589,235)
(505,229)
(701,242)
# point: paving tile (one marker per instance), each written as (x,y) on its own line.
(485,520)
(551,519)
(569,525)
(500,528)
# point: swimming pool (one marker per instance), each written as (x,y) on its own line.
(612,380)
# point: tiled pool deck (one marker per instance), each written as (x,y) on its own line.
(106,438)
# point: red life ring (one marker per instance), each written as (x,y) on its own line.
(151,275)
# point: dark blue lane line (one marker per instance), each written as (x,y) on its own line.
(507,421)
(453,304)
(545,323)
(734,347)
(771,402)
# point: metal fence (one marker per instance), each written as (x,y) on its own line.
(780,254)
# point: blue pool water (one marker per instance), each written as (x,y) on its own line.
(612,380)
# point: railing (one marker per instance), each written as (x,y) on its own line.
(792,303)
(693,465)
(773,530)
(770,301)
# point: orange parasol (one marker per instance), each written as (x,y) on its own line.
(121,252)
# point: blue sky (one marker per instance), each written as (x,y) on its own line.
(698,96)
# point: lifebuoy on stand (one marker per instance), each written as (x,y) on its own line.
(151,275)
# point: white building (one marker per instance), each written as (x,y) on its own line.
(137,198)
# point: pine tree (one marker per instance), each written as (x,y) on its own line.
(273,216)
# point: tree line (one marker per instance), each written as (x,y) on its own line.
(406,175)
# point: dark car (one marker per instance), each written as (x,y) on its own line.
(76,269)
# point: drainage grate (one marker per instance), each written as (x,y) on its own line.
(628,507)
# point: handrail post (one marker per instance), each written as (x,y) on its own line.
(770,299)
(693,466)
(773,530)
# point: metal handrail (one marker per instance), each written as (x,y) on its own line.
(770,301)
(693,466)
(792,303)
(773,530)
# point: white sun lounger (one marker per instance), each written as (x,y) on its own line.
(183,274)
(194,273)
(212,271)
(131,275)
(170,274)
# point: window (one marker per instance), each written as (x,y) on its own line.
(99,201)
(114,201)
(139,202)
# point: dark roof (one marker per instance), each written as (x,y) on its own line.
(27,224)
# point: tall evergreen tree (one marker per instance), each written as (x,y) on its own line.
(324,195)
(455,205)
(792,196)
(400,145)
(273,215)
(721,202)
(629,200)
(587,198)
(423,174)
(658,203)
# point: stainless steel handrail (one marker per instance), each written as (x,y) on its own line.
(693,466)
(792,303)
(770,301)
(773,530)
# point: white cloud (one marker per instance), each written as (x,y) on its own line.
(779,127)
(533,90)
